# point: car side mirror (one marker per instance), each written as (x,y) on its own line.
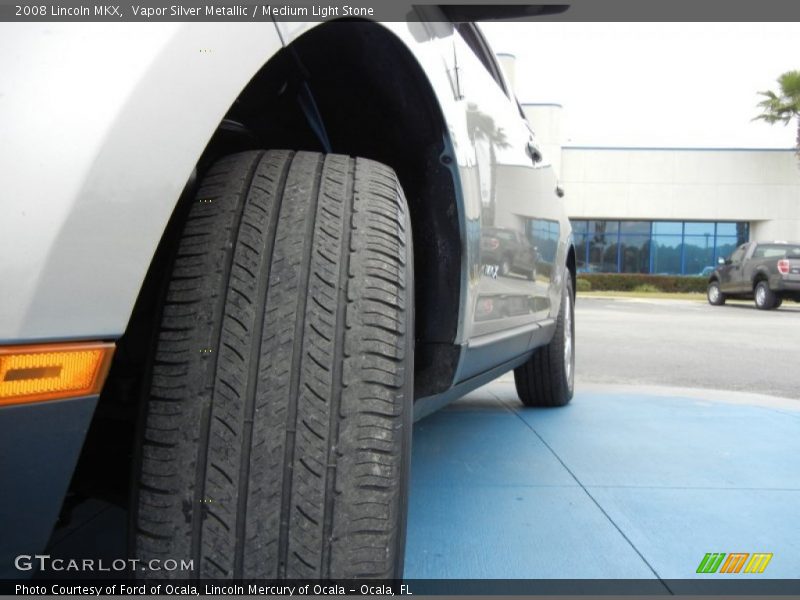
(721,261)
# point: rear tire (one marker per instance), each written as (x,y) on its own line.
(764,297)
(548,377)
(714,295)
(277,430)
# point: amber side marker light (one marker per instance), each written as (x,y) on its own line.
(52,371)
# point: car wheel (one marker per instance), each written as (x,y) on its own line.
(764,297)
(548,377)
(778,302)
(276,434)
(715,296)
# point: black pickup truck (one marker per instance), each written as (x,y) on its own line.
(768,272)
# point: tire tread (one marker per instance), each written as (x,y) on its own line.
(277,431)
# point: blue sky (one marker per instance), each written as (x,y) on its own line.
(654,84)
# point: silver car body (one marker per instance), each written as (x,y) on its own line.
(101,128)
(86,198)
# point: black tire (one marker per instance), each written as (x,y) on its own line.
(764,297)
(276,440)
(714,295)
(778,302)
(548,377)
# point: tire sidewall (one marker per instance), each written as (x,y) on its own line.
(568,327)
(547,378)
(762,288)
(714,299)
(408,409)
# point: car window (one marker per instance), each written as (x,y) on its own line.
(776,251)
(738,254)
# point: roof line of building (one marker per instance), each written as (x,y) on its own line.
(542,104)
(679,148)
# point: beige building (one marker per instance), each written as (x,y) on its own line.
(668,210)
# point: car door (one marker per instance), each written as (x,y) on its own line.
(731,273)
(517,193)
(752,259)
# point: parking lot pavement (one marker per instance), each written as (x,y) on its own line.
(632,480)
(688,344)
(617,485)
(620,484)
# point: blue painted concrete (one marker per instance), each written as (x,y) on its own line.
(624,440)
(514,532)
(622,486)
(674,527)
(613,486)
(482,445)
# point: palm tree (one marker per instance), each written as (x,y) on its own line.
(784,106)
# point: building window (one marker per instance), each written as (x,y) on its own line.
(661,247)
(634,246)
(580,234)
(698,250)
(665,257)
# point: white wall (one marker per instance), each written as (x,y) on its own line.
(761,186)
(508,62)
(787,230)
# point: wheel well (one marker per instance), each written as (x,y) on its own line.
(571,265)
(386,114)
(373,101)
(391,115)
(760,276)
(368,110)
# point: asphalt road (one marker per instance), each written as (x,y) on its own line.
(689,344)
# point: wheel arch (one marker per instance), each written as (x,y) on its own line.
(388,115)
(572,268)
(758,276)
(398,122)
